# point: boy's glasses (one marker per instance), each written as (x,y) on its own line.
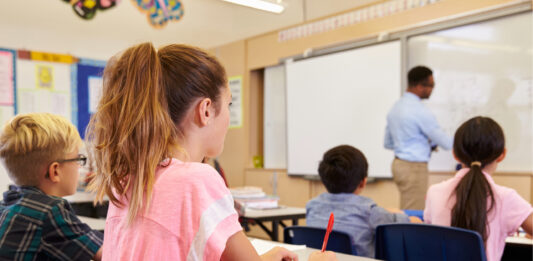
(81,159)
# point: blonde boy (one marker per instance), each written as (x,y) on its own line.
(40,154)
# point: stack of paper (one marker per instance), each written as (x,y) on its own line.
(253,198)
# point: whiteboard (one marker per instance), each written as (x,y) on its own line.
(274,119)
(482,69)
(342,98)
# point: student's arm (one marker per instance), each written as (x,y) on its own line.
(412,219)
(98,255)
(379,216)
(238,247)
(65,234)
(528,224)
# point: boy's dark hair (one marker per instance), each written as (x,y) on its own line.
(342,169)
(418,75)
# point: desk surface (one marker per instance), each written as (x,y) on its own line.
(262,246)
(94,223)
(519,240)
(276,212)
(303,254)
(82,197)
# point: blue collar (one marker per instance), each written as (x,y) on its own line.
(411,96)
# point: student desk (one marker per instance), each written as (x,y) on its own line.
(518,248)
(93,223)
(276,216)
(303,252)
(82,203)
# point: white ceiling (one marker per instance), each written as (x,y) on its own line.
(52,26)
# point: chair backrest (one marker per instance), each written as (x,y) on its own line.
(402,242)
(313,237)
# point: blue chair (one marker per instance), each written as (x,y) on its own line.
(314,237)
(413,242)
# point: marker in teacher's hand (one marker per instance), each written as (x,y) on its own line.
(328,230)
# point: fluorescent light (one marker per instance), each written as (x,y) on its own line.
(259,4)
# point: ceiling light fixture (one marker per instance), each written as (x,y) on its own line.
(260,4)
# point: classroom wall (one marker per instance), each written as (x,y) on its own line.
(265,50)
(233,158)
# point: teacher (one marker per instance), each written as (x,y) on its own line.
(413,133)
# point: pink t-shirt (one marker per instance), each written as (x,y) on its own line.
(508,214)
(190,217)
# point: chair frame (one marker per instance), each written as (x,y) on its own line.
(443,235)
(338,241)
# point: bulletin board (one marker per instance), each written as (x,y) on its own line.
(44,87)
(89,90)
(7,84)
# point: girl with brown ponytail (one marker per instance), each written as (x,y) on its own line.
(471,199)
(161,112)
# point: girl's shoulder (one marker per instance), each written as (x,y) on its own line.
(188,174)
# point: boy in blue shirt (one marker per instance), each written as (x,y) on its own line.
(343,171)
(40,154)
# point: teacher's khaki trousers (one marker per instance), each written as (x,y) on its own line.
(412,181)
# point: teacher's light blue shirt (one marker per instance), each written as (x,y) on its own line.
(412,130)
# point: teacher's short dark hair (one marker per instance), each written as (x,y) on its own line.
(342,169)
(418,75)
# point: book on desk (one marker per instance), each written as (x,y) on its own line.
(252,198)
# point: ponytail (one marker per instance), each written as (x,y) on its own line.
(470,210)
(477,143)
(131,132)
(137,125)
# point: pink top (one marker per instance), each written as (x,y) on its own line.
(508,214)
(190,217)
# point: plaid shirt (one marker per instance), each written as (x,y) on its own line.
(36,226)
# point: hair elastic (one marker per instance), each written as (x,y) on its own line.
(475,163)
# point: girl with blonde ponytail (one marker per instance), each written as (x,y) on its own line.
(471,199)
(161,112)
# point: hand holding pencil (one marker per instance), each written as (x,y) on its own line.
(324,255)
(328,230)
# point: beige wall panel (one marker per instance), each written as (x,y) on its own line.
(256,115)
(317,188)
(265,50)
(316,9)
(384,193)
(293,191)
(233,158)
(259,178)
(521,182)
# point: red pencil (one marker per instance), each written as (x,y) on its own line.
(328,230)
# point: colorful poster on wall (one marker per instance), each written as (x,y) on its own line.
(86,9)
(7,82)
(160,12)
(44,87)
(235,86)
(45,77)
